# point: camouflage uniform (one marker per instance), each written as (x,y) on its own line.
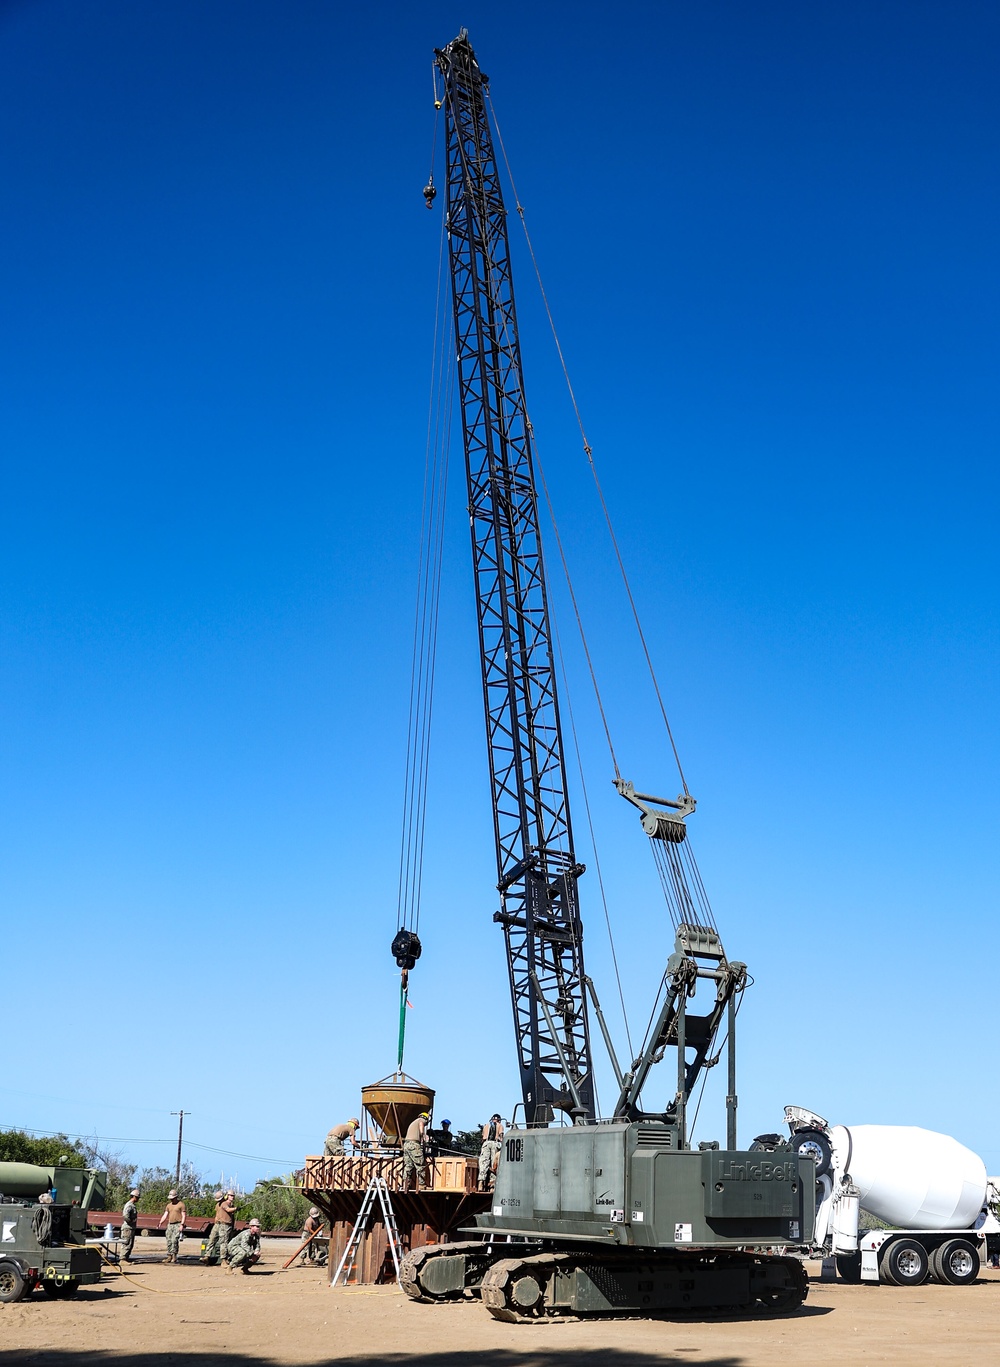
(315,1250)
(413,1161)
(487,1157)
(334,1146)
(221,1233)
(241,1249)
(489,1153)
(174,1240)
(217,1240)
(130,1218)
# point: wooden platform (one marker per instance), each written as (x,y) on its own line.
(433,1215)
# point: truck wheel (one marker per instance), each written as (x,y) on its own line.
(849,1267)
(11,1283)
(956,1262)
(903,1262)
(815,1145)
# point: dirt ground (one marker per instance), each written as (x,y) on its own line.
(189,1316)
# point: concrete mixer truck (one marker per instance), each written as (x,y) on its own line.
(44,1242)
(928,1188)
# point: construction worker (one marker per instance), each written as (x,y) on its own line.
(413,1151)
(222,1229)
(489,1154)
(334,1146)
(244,1249)
(130,1219)
(173,1217)
(314,1251)
(444,1140)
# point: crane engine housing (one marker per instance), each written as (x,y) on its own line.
(612,1218)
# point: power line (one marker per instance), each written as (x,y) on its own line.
(124,1139)
(253,1157)
(61,1134)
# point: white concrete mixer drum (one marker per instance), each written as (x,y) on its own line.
(910,1177)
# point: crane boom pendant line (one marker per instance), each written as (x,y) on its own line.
(536,867)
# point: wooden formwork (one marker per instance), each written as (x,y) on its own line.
(433,1215)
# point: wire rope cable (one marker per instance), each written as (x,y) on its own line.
(677,869)
(680,879)
(707,1069)
(588,451)
(682,886)
(426,616)
(593,835)
(572,595)
(537,460)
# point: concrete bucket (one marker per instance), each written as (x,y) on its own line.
(394,1103)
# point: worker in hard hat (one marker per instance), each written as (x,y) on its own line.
(173,1217)
(334,1146)
(222,1228)
(312,1229)
(489,1153)
(413,1151)
(444,1140)
(130,1219)
(244,1249)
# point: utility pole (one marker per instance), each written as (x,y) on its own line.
(180,1138)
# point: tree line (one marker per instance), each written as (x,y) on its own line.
(273,1201)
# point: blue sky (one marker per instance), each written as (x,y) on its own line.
(768,234)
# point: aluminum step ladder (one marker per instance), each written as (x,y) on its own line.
(378,1189)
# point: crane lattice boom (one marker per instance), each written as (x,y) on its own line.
(536,867)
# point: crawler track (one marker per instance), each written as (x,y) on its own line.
(446,1271)
(535,1285)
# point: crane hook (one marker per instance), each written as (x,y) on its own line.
(430,194)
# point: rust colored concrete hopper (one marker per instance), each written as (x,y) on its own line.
(394,1103)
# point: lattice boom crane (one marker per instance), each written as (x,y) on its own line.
(537,870)
(609,1217)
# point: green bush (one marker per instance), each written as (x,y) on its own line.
(18,1147)
(275,1203)
(194,1191)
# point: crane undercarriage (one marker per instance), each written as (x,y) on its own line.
(524,1281)
(615,1219)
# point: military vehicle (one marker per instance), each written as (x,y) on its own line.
(613,1216)
(43,1244)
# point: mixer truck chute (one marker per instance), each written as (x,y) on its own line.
(45,1243)
(928,1189)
